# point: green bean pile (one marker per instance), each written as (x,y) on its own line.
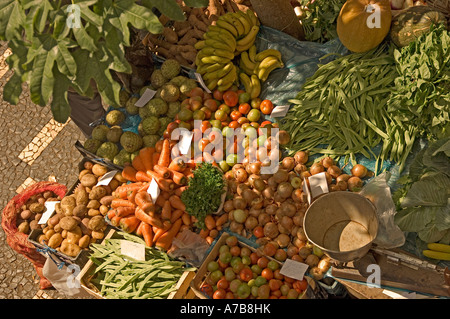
(121,277)
(344,107)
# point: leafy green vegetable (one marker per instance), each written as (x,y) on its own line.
(204,192)
(423,204)
(319,19)
(421,97)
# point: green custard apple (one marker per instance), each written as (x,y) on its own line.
(115,117)
(99,132)
(114,134)
(91,145)
(157,79)
(150,140)
(151,125)
(170,68)
(130,107)
(107,150)
(123,97)
(122,158)
(164,122)
(170,92)
(173,109)
(130,141)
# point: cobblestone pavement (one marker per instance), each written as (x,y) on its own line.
(33,148)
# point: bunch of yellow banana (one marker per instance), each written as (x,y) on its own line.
(256,67)
(233,33)
(265,62)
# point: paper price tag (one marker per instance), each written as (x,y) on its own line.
(105,179)
(49,210)
(279,111)
(132,249)
(318,184)
(147,96)
(293,269)
(185,143)
(153,190)
(306,191)
(199,78)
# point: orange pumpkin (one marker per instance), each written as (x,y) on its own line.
(363,24)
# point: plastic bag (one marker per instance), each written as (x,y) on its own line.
(63,277)
(300,58)
(379,193)
(190,247)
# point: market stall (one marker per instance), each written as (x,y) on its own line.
(250,163)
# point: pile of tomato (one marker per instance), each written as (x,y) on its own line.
(222,112)
(240,273)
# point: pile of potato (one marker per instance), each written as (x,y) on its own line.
(31,212)
(79,217)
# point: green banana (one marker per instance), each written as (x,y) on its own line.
(227,39)
(214,59)
(253,17)
(218,45)
(227,26)
(244,68)
(247,62)
(225,86)
(225,32)
(246,81)
(245,22)
(263,74)
(263,54)
(235,22)
(219,52)
(252,53)
(256,87)
(228,78)
(200,45)
(219,73)
(208,68)
(246,42)
(211,85)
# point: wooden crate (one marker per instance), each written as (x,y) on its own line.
(183,286)
(202,272)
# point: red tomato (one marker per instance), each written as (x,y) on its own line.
(243,120)
(218,95)
(235,115)
(267,273)
(258,231)
(266,107)
(234,124)
(246,274)
(219,294)
(205,125)
(223,284)
(211,104)
(231,98)
(244,108)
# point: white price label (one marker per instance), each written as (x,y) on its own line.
(279,111)
(294,269)
(132,249)
(185,143)
(147,96)
(49,210)
(318,184)
(153,190)
(107,178)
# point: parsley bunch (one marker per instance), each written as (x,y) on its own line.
(204,192)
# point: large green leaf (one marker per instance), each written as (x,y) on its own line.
(84,39)
(426,192)
(139,17)
(414,219)
(196,3)
(12,16)
(431,234)
(60,105)
(64,59)
(168,8)
(13,89)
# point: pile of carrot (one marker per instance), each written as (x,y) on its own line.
(133,209)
